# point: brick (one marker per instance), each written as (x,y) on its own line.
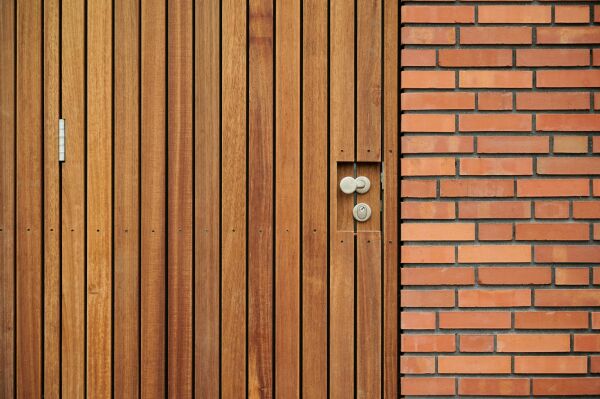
(571,14)
(586,343)
(567,297)
(568,35)
(466,365)
(436,144)
(495,35)
(494,209)
(427,167)
(514,14)
(495,166)
(596,231)
(595,364)
(426,254)
(550,364)
(572,276)
(552,231)
(437,276)
(551,209)
(475,58)
(570,144)
(553,187)
(427,299)
(475,320)
(438,14)
(427,386)
(427,123)
(568,166)
(533,342)
(494,298)
(568,122)
(495,231)
(551,320)
(428,79)
(596,57)
(418,188)
(427,36)
(552,101)
(495,79)
(438,101)
(578,78)
(417,321)
(493,386)
(586,209)
(596,188)
(596,13)
(504,275)
(494,253)
(428,343)
(552,57)
(494,101)
(596,279)
(596,139)
(417,364)
(567,253)
(476,343)
(427,210)
(595,319)
(512,145)
(417,58)
(566,386)
(494,123)
(476,188)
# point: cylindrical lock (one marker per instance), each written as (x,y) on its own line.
(361,212)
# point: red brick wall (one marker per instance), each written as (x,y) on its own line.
(500,142)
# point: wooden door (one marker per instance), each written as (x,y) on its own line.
(195,241)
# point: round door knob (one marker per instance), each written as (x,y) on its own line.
(362,212)
(349,184)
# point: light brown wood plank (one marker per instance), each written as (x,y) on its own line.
(287,199)
(180,199)
(233,193)
(51,202)
(7,196)
(72,197)
(126,186)
(260,201)
(368,316)
(207,180)
(29,199)
(314,200)
(368,81)
(343,203)
(371,197)
(153,199)
(390,201)
(99,198)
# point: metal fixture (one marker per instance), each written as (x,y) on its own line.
(349,184)
(361,212)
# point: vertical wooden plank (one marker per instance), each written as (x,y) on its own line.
(233,194)
(207,185)
(126,219)
(51,202)
(99,197)
(72,197)
(260,201)
(29,198)
(180,198)
(314,200)
(368,81)
(368,315)
(372,197)
(7,196)
(153,198)
(287,199)
(390,200)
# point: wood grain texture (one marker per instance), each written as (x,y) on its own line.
(126,197)
(314,200)
(7,198)
(368,315)
(390,200)
(342,203)
(233,203)
(73,197)
(29,199)
(52,292)
(99,198)
(260,201)
(372,197)
(287,199)
(207,184)
(180,199)
(368,81)
(153,199)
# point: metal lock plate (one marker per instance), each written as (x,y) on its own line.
(362,212)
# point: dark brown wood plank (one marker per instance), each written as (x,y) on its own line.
(7,197)
(180,198)
(314,200)
(233,194)
(126,209)
(153,199)
(260,201)
(207,184)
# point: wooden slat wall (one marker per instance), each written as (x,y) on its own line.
(195,242)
